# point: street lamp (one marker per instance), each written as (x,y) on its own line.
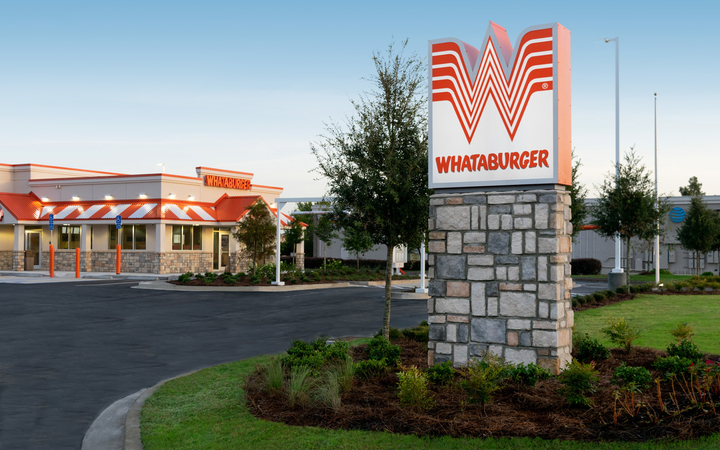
(657,206)
(617,277)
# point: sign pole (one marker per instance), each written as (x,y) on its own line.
(118,262)
(51,224)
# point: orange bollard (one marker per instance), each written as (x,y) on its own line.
(117,260)
(77,262)
(52,261)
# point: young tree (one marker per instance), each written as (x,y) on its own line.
(628,207)
(326,231)
(377,166)
(257,231)
(293,236)
(357,240)
(578,208)
(700,231)
(693,189)
(307,218)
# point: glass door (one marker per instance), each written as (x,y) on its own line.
(33,238)
(221,249)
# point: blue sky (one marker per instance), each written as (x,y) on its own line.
(123,86)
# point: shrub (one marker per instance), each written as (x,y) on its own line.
(300,386)
(599,296)
(273,375)
(185,278)
(267,271)
(621,333)
(609,294)
(590,349)
(315,354)
(585,266)
(371,368)
(327,392)
(672,365)
(209,277)
(631,379)
(707,274)
(484,377)
(419,333)
(442,373)
(575,303)
(229,278)
(413,389)
(379,348)
(528,375)
(685,349)
(578,381)
(345,372)
(682,332)
(621,290)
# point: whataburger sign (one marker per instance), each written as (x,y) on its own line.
(498,116)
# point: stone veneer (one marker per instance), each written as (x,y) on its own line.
(6,260)
(500,277)
(132,262)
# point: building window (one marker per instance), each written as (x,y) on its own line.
(132,237)
(68,237)
(186,237)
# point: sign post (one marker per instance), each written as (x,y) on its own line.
(51,224)
(118,225)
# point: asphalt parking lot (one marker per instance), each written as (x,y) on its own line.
(68,350)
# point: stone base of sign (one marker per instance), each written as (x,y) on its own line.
(500,277)
(616,279)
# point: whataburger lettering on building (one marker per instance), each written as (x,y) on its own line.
(500,116)
(227,182)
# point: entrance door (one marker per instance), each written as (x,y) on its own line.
(33,238)
(221,249)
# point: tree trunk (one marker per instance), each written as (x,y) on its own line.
(388,288)
(357,255)
(697,262)
(627,263)
(324,256)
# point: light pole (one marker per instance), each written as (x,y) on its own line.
(657,206)
(619,279)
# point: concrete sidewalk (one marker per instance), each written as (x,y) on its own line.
(43,276)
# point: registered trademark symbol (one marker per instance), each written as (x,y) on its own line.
(545,85)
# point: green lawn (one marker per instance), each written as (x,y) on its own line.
(205,410)
(656,315)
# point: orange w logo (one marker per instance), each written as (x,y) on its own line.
(469,82)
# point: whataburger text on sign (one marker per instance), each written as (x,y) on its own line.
(227,182)
(501,116)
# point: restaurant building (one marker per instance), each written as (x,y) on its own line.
(170,223)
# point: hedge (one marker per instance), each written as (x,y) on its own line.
(586,266)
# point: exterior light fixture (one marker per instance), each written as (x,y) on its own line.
(142,195)
(171,195)
(191,197)
(75,198)
(108,197)
(45,199)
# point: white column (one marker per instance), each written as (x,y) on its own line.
(19,245)
(84,238)
(422,289)
(277,281)
(160,238)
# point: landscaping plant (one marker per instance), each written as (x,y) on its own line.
(682,332)
(621,333)
(685,349)
(590,349)
(300,386)
(413,389)
(380,348)
(630,381)
(484,377)
(579,380)
(528,375)
(442,373)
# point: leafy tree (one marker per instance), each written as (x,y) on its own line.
(628,207)
(700,231)
(357,240)
(257,231)
(307,218)
(326,231)
(377,165)
(578,208)
(693,189)
(294,236)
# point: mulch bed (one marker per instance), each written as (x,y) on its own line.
(516,410)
